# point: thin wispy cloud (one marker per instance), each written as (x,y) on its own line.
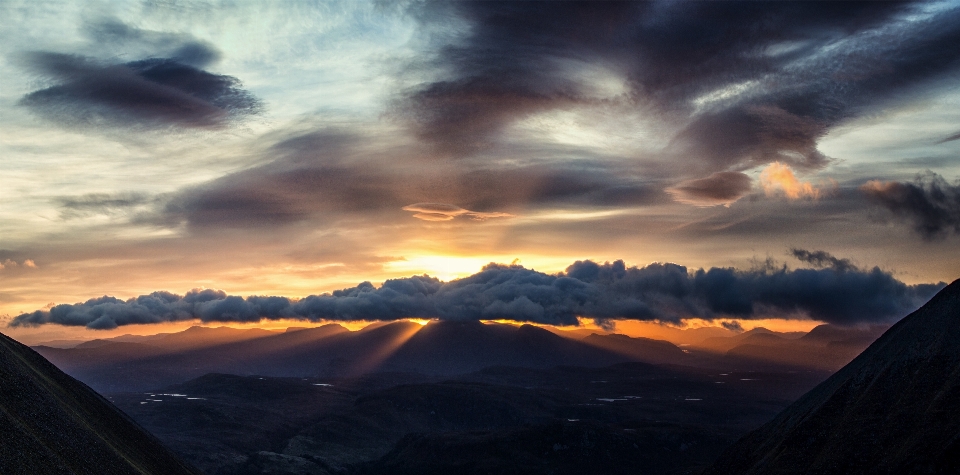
(446,212)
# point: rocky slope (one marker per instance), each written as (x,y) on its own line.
(51,423)
(895,409)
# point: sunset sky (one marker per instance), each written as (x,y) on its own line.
(292,149)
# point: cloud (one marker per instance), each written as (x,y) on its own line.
(949,138)
(930,203)
(778,179)
(445,212)
(603,292)
(12,264)
(823,259)
(733,326)
(326,175)
(90,204)
(744,84)
(721,188)
(153,93)
(113,35)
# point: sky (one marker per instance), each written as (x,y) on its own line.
(168,162)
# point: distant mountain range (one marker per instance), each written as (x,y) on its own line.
(438,348)
(894,410)
(825,347)
(52,424)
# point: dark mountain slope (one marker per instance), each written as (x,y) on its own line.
(895,409)
(52,424)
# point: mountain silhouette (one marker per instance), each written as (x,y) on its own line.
(638,348)
(51,423)
(437,348)
(895,409)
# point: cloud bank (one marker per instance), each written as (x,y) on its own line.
(835,293)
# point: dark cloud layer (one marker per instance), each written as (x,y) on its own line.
(930,203)
(754,82)
(150,93)
(721,188)
(604,292)
(325,176)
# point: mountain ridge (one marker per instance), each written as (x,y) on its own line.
(894,409)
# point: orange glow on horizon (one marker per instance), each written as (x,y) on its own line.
(664,331)
(633,328)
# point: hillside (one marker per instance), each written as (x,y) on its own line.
(895,409)
(51,423)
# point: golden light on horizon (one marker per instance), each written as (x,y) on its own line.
(442,267)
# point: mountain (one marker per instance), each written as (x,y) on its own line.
(461,347)
(756,336)
(51,423)
(639,348)
(191,338)
(61,343)
(837,335)
(438,348)
(200,337)
(562,420)
(824,348)
(895,409)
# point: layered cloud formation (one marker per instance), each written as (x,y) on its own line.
(835,292)
(751,82)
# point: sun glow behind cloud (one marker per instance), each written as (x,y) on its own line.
(442,267)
